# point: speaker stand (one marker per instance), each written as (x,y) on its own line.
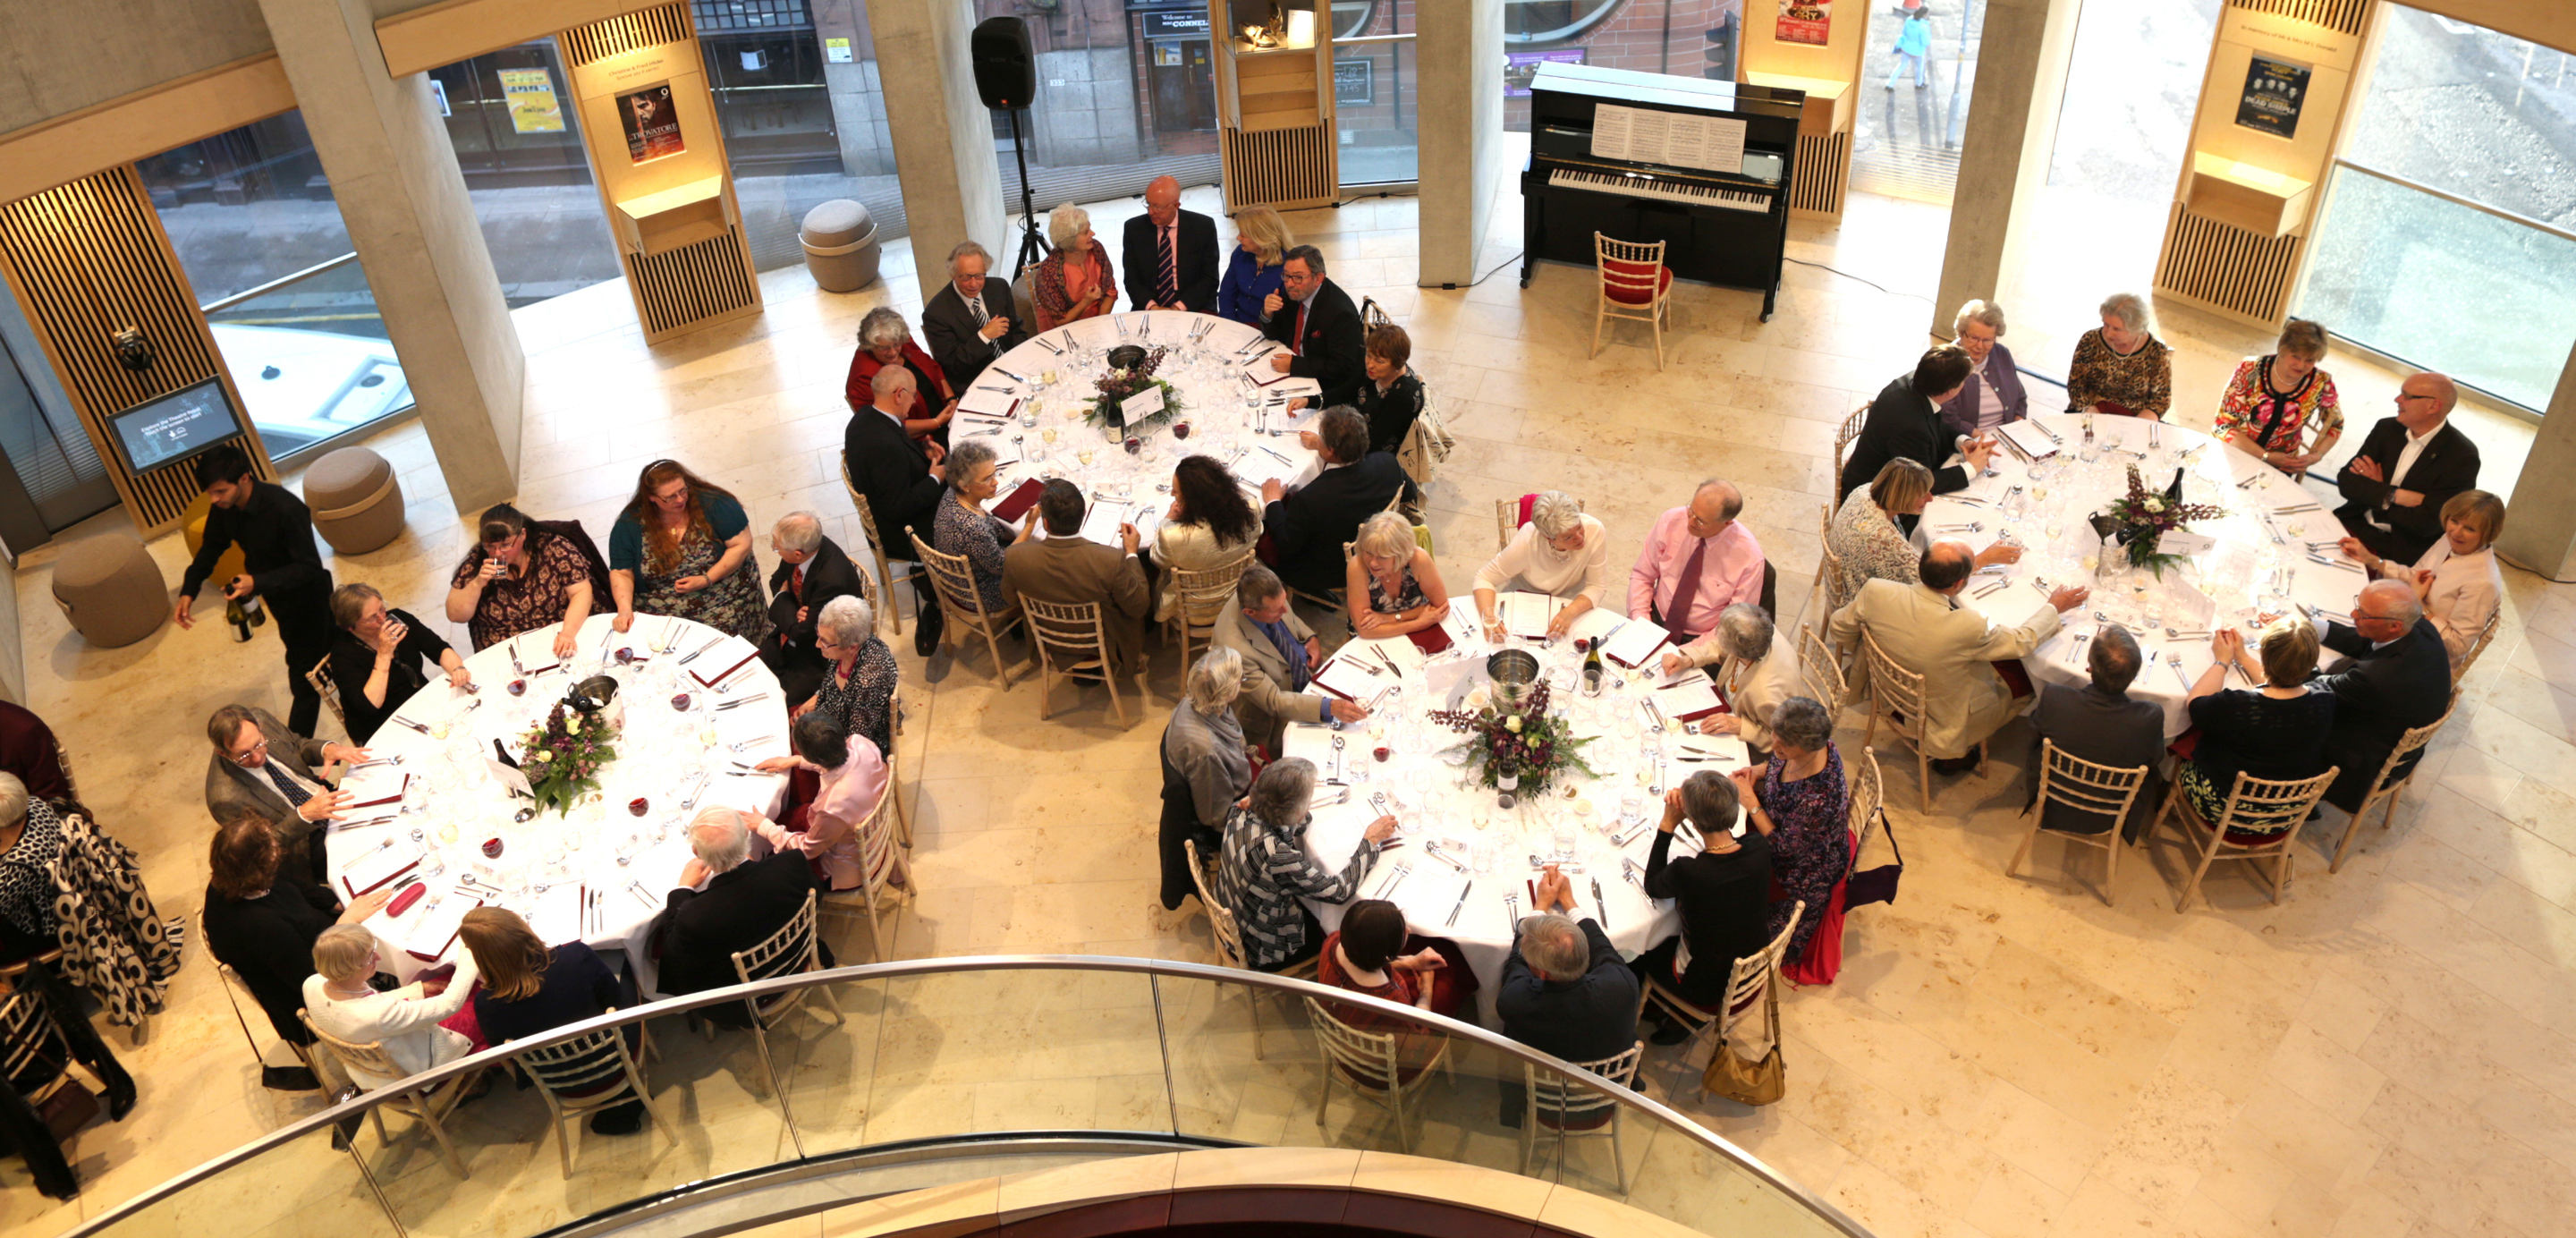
(1033,246)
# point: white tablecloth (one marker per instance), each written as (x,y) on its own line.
(2259,545)
(1435,800)
(552,864)
(1044,385)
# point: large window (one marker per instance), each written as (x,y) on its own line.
(257,231)
(1376,92)
(1126,93)
(517,134)
(803,112)
(1687,38)
(1917,75)
(2448,237)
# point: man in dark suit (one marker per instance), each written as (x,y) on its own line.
(1565,991)
(2399,678)
(1905,420)
(1306,528)
(902,480)
(811,571)
(1068,569)
(971,321)
(2101,724)
(744,901)
(1316,320)
(2411,464)
(1169,254)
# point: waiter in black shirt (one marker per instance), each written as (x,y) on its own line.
(282,566)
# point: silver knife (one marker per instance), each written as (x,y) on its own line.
(1462,901)
(1600,905)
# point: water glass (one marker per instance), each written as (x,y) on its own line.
(1562,838)
(1480,855)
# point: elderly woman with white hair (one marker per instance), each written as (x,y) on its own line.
(1759,671)
(964,527)
(1076,281)
(1266,875)
(1561,551)
(407,1021)
(884,340)
(860,673)
(2121,367)
(1994,395)
(1206,767)
(1393,587)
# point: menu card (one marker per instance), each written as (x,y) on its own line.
(1527,614)
(1686,695)
(2033,441)
(383,784)
(372,868)
(729,655)
(1636,644)
(427,928)
(556,915)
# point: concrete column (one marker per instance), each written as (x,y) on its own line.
(386,151)
(943,133)
(1459,55)
(2541,535)
(2003,157)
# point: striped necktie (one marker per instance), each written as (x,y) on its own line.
(1168,291)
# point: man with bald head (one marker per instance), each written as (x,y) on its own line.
(1698,560)
(2411,464)
(2399,678)
(1170,254)
(1973,682)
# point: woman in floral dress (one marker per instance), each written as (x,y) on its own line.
(682,547)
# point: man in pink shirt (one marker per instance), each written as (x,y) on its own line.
(1697,562)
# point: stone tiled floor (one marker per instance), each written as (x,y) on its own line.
(2388,1054)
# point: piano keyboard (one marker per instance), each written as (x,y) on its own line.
(1640,186)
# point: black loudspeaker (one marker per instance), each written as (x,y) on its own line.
(1006,72)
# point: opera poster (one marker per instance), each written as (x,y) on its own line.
(533,105)
(652,124)
(1805,21)
(2274,91)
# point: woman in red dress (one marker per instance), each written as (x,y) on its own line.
(885,340)
(1369,955)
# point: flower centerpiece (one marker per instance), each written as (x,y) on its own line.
(562,758)
(2140,519)
(1518,738)
(1131,373)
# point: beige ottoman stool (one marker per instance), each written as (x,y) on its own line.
(357,502)
(111,590)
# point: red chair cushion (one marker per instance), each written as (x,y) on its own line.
(1624,282)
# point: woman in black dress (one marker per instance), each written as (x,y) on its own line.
(376,658)
(2277,733)
(262,922)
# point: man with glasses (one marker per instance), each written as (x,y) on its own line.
(2399,678)
(264,767)
(973,320)
(2411,464)
(1316,320)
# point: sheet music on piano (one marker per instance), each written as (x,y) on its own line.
(1643,135)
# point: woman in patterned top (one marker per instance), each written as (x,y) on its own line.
(1869,539)
(1266,871)
(1076,281)
(963,527)
(860,677)
(2282,408)
(1393,586)
(2121,367)
(682,547)
(518,579)
(30,837)
(1800,802)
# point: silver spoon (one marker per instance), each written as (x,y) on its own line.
(2174,660)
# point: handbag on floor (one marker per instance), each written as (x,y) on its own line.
(1876,885)
(1750,1083)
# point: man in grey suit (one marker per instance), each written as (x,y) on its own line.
(1279,653)
(2101,724)
(972,320)
(260,764)
(1067,569)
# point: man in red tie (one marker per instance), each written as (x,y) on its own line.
(1169,254)
(1316,320)
(1698,560)
(811,571)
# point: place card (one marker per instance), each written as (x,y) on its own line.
(1141,405)
(2185,542)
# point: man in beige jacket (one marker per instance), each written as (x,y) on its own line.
(1068,569)
(1923,627)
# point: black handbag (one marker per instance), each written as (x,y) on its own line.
(1875,885)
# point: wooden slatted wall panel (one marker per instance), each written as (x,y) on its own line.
(2227,266)
(692,283)
(89,261)
(1817,186)
(2343,15)
(667,23)
(1287,168)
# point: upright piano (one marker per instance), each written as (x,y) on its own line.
(1650,157)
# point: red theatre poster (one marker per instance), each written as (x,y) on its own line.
(1805,21)
(652,125)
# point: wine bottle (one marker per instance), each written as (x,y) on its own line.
(504,755)
(255,610)
(1592,669)
(237,617)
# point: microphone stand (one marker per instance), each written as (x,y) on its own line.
(1033,247)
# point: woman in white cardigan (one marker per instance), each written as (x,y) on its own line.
(404,1021)
(2457,580)
(1760,671)
(1561,552)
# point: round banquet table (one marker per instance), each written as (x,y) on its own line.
(2273,552)
(1030,403)
(1443,810)
(599,873)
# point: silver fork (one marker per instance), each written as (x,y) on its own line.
(2173,658)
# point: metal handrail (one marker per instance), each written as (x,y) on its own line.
(2456,200)
(499,1054)
(280,282)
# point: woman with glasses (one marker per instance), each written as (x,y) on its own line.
(518,579)
(377,656)
(682,548)
(860,678)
